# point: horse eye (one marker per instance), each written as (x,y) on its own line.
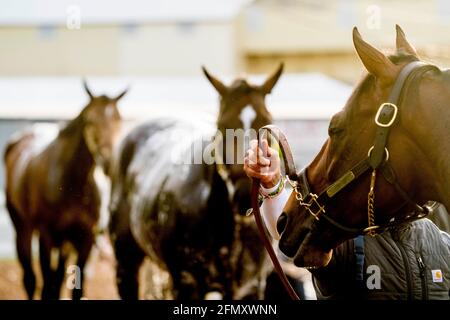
(334,130)
(336,124)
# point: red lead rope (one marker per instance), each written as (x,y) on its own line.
(267,243)
(290,170)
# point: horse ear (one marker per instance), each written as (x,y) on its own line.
(403,44)
(220,87)
(86,88)
(374,60)
(120,96)
(272,80)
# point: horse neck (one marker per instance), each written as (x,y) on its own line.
(437,150)
(433,138)
(220,207)
(75,159)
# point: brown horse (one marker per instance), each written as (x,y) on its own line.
(50,188)
(413,167)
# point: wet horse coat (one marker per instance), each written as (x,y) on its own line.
(171,210)
(181,212)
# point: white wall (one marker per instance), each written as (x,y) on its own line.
(178,49)
(156,49)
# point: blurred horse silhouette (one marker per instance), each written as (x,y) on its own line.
(187,216)
(50,188)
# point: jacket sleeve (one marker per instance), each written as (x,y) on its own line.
(332,282)
(324,281)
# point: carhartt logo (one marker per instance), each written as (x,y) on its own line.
(437,275)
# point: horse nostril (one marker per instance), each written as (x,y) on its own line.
(282,222)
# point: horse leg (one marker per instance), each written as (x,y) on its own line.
(60,271)
(129,259)
(24,237)
(83,246)
(45,248)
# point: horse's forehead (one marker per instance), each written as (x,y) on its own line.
(240,82)
(105,110)
(110,110)
(247,116)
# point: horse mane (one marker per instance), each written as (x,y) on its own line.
(368,80)
(74,125)
(402,57)
(9,146)
(397,59)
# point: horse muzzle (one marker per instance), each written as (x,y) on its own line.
(213,295)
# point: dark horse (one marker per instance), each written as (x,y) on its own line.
(413,168)
(50,188)
(186,213)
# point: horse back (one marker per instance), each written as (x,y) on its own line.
(153,188)
(19,152)
(33,180)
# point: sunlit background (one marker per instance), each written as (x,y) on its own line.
(157,48)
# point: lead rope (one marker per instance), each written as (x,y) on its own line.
(371,205)
(263,231)
(267,243)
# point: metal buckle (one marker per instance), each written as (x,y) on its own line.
(307,205)
(295,187)
(377,116)
(294,184)
(385,150)
(313,200)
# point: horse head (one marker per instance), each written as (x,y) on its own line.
(101,125)
(411,153)
(242,112)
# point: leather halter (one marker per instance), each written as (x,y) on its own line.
(377,160)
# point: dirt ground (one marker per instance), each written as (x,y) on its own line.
(99,281)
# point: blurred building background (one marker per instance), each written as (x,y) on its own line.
(315,36)
(175,37)
(135,37)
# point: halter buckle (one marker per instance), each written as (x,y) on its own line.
(386,151)
(307,204)
(293,183)
(312,201)
(391,121)
(295,188)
